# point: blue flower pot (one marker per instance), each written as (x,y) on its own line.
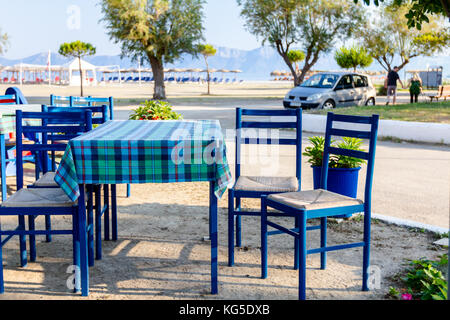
(340,180)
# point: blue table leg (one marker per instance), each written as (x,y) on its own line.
(213,231)
(114,212)
(84,268)
(3,164)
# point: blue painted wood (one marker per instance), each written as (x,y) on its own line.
(350,133)
(3,169)
(90,221)
(106,214)
(214,238)
(98,223)
(113,212)
(268,125)
(302,216)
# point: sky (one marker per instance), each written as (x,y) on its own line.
(36,26)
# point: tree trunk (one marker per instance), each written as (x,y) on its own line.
(208,79)
(283,53)
(159,92)
(81,76)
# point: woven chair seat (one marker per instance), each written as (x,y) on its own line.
(39,197)
(314,199)
(266,184)
(47,180)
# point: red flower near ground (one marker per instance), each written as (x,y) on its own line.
(406,296)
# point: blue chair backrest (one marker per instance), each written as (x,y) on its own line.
(60,101)
(296,124)
(80,122)
(8,99)
(369,156)
(90,101)
(102,111)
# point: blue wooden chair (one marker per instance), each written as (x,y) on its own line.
(90,101)
(255,187)
(48,181)
(35,202)
(321,204)
(60,101)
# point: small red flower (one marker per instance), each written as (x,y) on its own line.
(406,296)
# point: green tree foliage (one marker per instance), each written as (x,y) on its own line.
(207,50)
(296,56)
(314,24)
(388,37)
(420,11)
(77,49)
(3,42)
(160,30)
(353,57)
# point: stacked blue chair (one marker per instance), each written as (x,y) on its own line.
(48,181)
(35,202)
(321,204)
(256,187)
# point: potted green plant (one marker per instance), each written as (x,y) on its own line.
(343,170)
(155,110)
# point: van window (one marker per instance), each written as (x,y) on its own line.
(345,83)
(360,81)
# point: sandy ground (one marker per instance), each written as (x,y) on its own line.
(160,253)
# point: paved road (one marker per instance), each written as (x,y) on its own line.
(411,180)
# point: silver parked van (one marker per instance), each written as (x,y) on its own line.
(327,90)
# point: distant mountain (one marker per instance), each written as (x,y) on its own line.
(256,64)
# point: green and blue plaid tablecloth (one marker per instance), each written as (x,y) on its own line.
(119,152)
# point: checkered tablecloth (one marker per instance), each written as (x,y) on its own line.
(130,151)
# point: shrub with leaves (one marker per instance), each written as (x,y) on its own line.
(155,110)
(315,153)
(424,280)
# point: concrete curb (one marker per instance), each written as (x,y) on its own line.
(404,130)
(410,224)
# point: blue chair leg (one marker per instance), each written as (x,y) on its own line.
(48,227)
(76,248)
(114,212)
(214,238)
(128,190)
(81,228)
(22,243)
(98,223)
(302,257)
(32,239)
(296,246)
(2,286)
(323,242)
(106,214)
(238,224)
(90,218)
(263,238)
(230,227)
(366,250)
(3,168)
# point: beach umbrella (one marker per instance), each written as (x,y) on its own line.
(275,73)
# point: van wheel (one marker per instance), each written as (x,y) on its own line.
(370,102)
(329,104)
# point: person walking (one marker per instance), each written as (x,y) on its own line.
(391,84)
(415,87)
